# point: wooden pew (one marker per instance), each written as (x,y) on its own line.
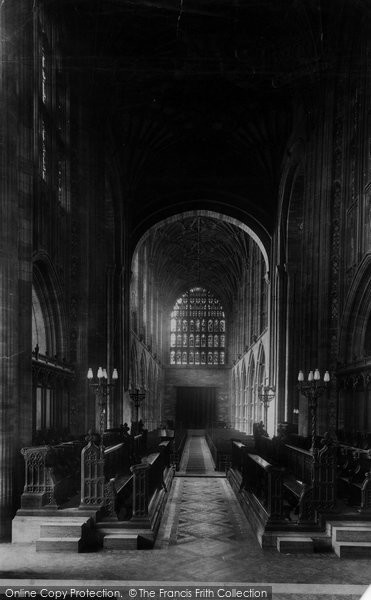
(220,451)
(354,476)
(258,486)
(120,482)
(116,486)
(105,475)
(177,448)
(309,481)
(52,474)
(297,483)
(360,484)
(219,442)
(346,465)
(264,480)
(151,482)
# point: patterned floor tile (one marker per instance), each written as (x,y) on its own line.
(205,509)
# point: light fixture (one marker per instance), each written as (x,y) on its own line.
(102,389)
(266,395)
(313,389)
(136,396)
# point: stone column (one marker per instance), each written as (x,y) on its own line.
(111,420)
(279,339)
(8,370)
(15,251)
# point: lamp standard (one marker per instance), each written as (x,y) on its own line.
(102,388)
(266,395)
(136,396)
(312,389)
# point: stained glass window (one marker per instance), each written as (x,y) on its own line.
(197,329)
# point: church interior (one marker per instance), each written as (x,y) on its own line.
(185,292)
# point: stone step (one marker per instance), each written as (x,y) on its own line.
(346,523)
(103,531)
(26,528)
(295,544)
(321,540)
(119,525)
(59,544)
(352,549)
(351,534)
(306,533)
(120,541)
(59,513)
(208,474)
(64,528)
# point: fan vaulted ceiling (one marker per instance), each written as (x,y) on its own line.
(199,250)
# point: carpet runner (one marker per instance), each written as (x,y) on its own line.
(209,539)
(196,457)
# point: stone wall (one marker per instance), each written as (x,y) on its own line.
(203,377)
(16,184)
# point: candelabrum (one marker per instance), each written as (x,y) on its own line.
(136,396)
(102,389)
(266,395)
(312,389)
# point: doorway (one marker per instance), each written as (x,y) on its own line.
(195,407)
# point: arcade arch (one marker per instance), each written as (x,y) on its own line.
(198,250)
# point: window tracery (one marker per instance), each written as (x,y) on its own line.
(197,329)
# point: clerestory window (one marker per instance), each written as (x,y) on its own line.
(197,329)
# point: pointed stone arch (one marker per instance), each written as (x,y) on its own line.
(243,398)
(261,371)
(48,309)
(290,295)
(354,356)
(133,375)
(52,373)
(143,370)
(251,398)
(151,395)
(357,314)
(235,396)
(261,237)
